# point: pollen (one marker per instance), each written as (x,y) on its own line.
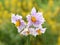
(18,23)
(33,19)
(38,31)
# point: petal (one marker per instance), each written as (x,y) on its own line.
(32,31)
(24,32)
(40,13)
(19,30)
(21,27)
(36,24)
(28,18)
(33,12)
(29,24)
(43,30)
(18,16)
(13,18)
(40,18)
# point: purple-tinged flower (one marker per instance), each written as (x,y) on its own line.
(32,31)
(37,31)
(17,20)
(35,18)
(25,32)
(40,30)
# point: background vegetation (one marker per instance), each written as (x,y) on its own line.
(51,12)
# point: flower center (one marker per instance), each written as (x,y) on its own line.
(18,23)
(33,19)
(38,31)
(27,32)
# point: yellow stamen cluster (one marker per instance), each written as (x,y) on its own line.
(18,23)
(33,19)
(38,31)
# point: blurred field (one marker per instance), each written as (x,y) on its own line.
(51,13)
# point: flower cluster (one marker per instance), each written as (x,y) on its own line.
(34,26)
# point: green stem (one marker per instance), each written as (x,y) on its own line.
(28,40)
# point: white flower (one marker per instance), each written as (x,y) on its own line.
(25,32)
(35,18)
(32,31)
(37,31)
(34,26)
(19,23)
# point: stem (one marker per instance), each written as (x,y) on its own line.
(28,40)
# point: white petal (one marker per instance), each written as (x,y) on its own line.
(24,32)
(18,16)
(26,29)
(13,15)
(43,30)
(32,31)
(40,13)
(28,16)
(33,11)
(13,18)
(35,25)
(19,30)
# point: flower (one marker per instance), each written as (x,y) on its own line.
(32,31)
(19,23)
(25,32)
(34,26)
(35,18)
(40,30)
(37,31)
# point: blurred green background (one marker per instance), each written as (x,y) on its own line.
(51,12)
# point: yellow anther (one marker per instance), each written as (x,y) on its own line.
(38,31)
(33,19)
(18,23)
